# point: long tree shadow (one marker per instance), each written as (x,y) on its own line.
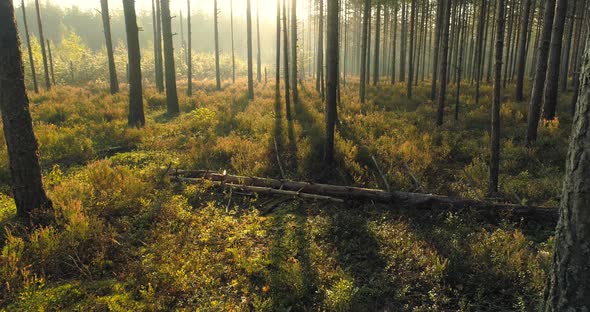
(227,121)
(285,146)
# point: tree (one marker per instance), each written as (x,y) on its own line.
(50,61)
(159,60)
(567,285)
(534,113)
(319,82)
(233,51)
(332,78)
(552,84)
(106,23)
(258,55)
(42,42)
(437,33)
(286,60)
(249,40)
(479,49)
(364,46)
(278,66)
(136,117)
(524,25)
(31,61)
(411,63)
(216,34)
(377,44)
(25,170)
(189,57)
(443,63)
(171,94)
(294,51)
(496,102)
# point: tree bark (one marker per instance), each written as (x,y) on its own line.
(278,55)
(497,99)
(567,285)
(286,60)
(136,117)
(412,42)
(189,50)
(171,92)
(524,26)
(534,112)
(377,45)
(364,45)
(294,71)
(437,33)
(443,63)
(479,48)
(332,53)
(25,170)
(160,59)
(233,51)
(50,62)
(42,43)
(216,34)
(568,46)
(31,61)
(249,45)
(553,69)
(106,23)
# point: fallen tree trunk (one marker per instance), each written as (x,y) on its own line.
(347,192)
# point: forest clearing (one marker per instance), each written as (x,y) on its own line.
(257,171)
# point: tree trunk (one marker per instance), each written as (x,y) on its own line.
(31,61)
(216,34)
(394,42)
(568,47)
(25,171)
(189,53)
(412,41)
(320,57)
(286,60)
(249,44)
(496,103)
(332,79)
(437,33)
(42,43)
(479,48)
(278,55)
(171,93)
(136,117)
(554,61)
(377,45)
(106,23)
(233,51)
(160,59)
(294,71)
(443,63)
(50,62)
(364,45)
(567,285)
(522,50)
(534,113)
(258,55)
(404,40)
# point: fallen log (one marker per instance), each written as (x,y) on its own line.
(266,185)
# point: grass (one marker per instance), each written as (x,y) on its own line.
(127,238)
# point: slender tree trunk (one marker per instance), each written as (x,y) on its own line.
(522,50)
(462,30)
(159,58)
(136,117)
(182,42)
(278,52)
(497,99)
(554,61)
(233,51)
(332,77)
(249,44)
(534,113)
(189,58)
(404,41)
(171,93)
(479,48)
(50,62)
(31,61)
(42,41)
(377,45)
(437,34)
(394,45)
(106,23)
(412,41)
(258,57)
(443,63)
(286,60)
(23,156)
(568,47)
(364,45)
(216,34)
(294,71)
(320,56)
(567,285)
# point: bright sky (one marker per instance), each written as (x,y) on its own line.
(267,7)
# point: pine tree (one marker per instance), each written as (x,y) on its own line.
(136,116)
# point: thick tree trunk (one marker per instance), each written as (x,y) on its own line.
(136,117)
(412,42)
(332,52)
(106,23)
(437,34)
(567,286)
(249,46)
(31,61)
(497,99)
(377,45)
(189,50)
(278,55)
(444,63)
(364,45)
(552,84)
(42,43)
(216,34)
(286,60)
(534,113)
(25,171)
(524,26)
(294,71)
(160,59)
(171,92)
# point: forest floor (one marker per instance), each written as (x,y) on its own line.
(125,237)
